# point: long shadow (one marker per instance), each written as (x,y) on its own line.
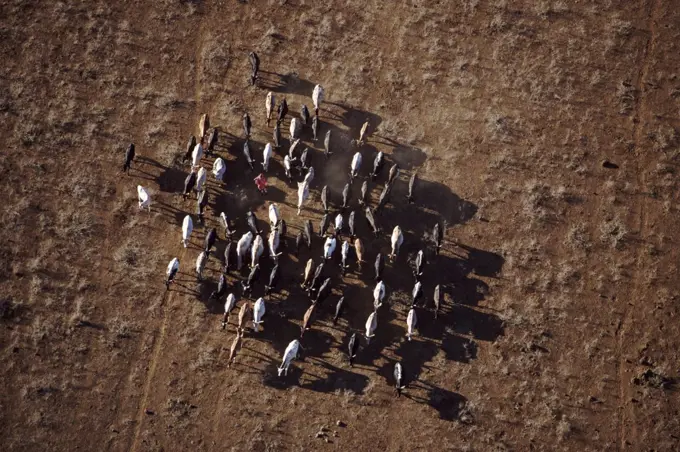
(337,379)
(287,83)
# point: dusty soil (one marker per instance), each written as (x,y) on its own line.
(545,135)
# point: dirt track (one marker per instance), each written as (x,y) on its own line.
(559,330)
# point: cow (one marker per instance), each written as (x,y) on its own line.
(269,105)
(246,153)
(338,225)
(247,125)
(266,155)
(252,277)
(327,144)
(288,356)
(129,157)
(309,231)
(274,216)
(201,260)
(355,166)
(273,242)
(437,238)
(345,255)
(304,114)
(318,96)
(394,173)
(298,241)
(411,188)
(359,249)
(339,307)
(251,220)
(254,67)
(242,248)
(227,256)
(143,198)
(378,295)
(396,240)
(256,250)
(305,159)
(219,168)
(258,313)
(309,177)
(225,223)
(315,127)
(243,317)
(323,292)
(420,264)
(364,193)
(189,184)
(324,198)
(329,247)
(294,129)
(379,266)
(308,273)
(171,272)
(307,319)
(318,272)
(362,133)
(235,347)
(371,326)
(437,300)
(187,227)
(346,195)
(291,150)
(276,136)
(351,224)
(221,288)
(212,140)
(210,238)
(371,221)
(352,348)
(411,321)
(201,176)
(303,194)
(378,163)
(228,307)
(416,293)
(203,126)
(384,197)
(201,203)
(287,168)
(282,111)
(398,379)
(189,148)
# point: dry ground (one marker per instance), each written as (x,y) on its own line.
(560,329)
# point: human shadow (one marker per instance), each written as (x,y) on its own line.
(286,83)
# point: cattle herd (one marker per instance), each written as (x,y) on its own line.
(251,245)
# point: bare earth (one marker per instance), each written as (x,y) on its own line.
(545,134)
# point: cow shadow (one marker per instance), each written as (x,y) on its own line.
(286,83)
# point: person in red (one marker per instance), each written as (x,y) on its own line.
(261,183)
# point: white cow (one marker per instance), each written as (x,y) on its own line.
(274,216)
(201,260)
(258,312)
(196,155)
(317,97)
(294,128)
(411,321)
(187,228)
(200,180)
(309,177)
(288,356)
(269,105)
(171,272)
(397,240)
(257,250)
(219,168)
(228,306)
(274,241)
(338,223)
(329,247)
(371,326)
(266,155)
(378,294)
(242,248)
(303,194)
(144,198)
(356,164)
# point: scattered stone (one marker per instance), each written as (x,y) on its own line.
(646,361)
(340,423)
(609,165)
(320,434)
(149,412)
